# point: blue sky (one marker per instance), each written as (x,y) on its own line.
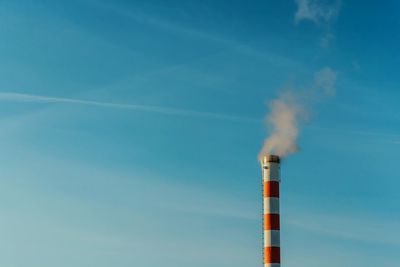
(130,132)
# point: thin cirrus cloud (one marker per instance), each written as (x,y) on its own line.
(345,227)
(325,75)
(29,98)
(180,29)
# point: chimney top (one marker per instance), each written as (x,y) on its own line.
(273,158)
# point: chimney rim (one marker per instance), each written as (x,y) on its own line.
(273,158)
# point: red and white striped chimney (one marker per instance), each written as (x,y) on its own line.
(271,225)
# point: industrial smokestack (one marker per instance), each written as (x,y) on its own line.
(286,114)
(271,224)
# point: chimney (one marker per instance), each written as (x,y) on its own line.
(271,225)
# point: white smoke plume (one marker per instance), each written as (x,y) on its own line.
(289,110)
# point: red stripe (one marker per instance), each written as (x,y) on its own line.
(272,255)
(271,222)
(271,189)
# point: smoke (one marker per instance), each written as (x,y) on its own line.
(290,110)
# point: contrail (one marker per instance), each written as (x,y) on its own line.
(19,97)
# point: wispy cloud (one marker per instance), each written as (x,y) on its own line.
(125,218)
(40,99)
(183,30)
(18,97)
(346,227)
(317,11)
(320,12)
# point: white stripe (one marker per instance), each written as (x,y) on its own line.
(272,265)
(271,205)
(271,172)
(272,238)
